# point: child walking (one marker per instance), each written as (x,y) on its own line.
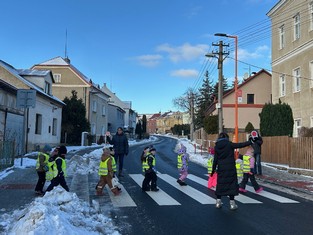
(182,165)
(150,172)
(106,173)
(248,169)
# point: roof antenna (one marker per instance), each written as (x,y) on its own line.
(66,57)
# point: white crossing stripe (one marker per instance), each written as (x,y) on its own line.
(240,198)
(191,192)
(160,197)
(271,196)
(121,200)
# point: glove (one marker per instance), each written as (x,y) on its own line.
(46,168)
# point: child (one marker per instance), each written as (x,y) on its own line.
(106,173)
(150,172)
(248,165)
(182,165)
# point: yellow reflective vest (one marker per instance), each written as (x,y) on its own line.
(145,165)
(239,169)
(246,163)
(103,167)
(55,168)
(179,161)
(38,159)
(50,172)
(210,165)
(113,164)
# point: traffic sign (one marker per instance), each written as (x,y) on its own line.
(26,98)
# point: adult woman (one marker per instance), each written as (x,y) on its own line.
(225,166)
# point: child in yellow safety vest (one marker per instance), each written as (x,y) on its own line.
(42,168)
(182,165)
(115,181)
(248,165)
(106,173)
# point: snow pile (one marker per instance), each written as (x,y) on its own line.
(58,212)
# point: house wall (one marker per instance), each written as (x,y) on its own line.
(295,54)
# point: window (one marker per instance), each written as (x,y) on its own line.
(282,85)
(296,80)
(311,14)
(94,106)
(47,88)
(38,124)
(57,77)
(281,37)
(250,98)
(103,130)
(296,20)
(93,128)
(297,127)
(311,74)
(54,126)
(103,110)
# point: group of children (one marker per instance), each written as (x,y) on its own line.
(107,169)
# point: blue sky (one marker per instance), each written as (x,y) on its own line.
(148,52)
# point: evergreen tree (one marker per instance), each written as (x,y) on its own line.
(276,120)
(74,120)
(203,101)
(138,130)
(144,124)
(211,124)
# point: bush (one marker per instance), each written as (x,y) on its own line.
(249,127)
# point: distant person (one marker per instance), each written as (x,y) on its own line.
(182,165)
(150,173)
(42,168)
(248,165)
(225,166)
(257,142)
(106,173)
(59,169)
(120,145)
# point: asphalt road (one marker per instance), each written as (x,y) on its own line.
(194,211)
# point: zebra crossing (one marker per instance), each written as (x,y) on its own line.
(163,199)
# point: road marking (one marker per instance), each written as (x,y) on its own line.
(271,196)
(121,200)
(191,192)
(160,197)
(240,198)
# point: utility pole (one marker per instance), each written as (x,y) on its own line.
(191,103)
(219,105)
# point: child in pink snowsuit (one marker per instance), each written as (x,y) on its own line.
(182,165)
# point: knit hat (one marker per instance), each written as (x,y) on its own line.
(153,149)
(62,150)
(47,148)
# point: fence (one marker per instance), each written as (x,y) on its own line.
(6,154)
(294,152)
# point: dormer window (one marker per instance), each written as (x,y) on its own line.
(47,88)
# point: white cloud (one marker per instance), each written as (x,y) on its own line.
(259,52)
(148,60)
(184,73)
(185,52)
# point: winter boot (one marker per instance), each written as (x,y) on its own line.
(233,205)
(218,203)
(115,191)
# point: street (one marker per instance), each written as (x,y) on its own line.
(191,209)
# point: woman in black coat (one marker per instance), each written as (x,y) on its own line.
(225,166)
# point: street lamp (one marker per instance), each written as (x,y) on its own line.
(220,90)
(236,81)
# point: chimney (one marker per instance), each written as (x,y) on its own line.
(67,60)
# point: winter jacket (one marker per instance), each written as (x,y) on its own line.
(257,145)
(224,161)
(120,143)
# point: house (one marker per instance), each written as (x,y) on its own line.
(253,93)
(152,123)
(167,120)
(68,78)
(292,58)
(42,121)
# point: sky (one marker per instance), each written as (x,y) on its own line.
(61,212)
(147,52)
